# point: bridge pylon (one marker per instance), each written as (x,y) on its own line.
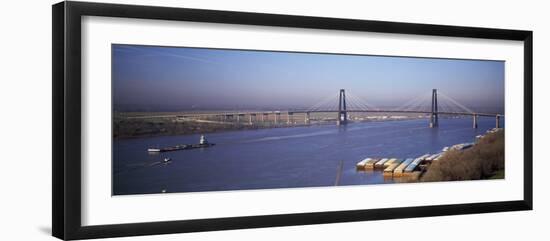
(342,111)
(434,117)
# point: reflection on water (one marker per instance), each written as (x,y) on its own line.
(281,157)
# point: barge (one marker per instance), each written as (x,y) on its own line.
(388,171)
(369,165)
(412,166)
(391,161)
(203,143)
(380,164)
(398,172)
(361,165)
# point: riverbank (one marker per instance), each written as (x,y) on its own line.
(485,160)
(137,125)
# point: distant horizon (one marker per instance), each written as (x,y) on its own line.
(171,79)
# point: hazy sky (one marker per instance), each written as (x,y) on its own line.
(170,79)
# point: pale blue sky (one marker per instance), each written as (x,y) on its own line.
(176,78)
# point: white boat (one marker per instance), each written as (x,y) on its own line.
(203,140)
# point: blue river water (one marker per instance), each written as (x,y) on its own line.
(307,156)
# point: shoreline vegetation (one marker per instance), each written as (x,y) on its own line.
(127,125)
(480,160)
(485,160)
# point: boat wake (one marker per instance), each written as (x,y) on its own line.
(276,138)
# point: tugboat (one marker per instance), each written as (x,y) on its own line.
(203,140)
(203,143)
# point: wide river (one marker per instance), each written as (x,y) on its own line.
(306,156)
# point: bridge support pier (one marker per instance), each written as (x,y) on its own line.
(250,118)
(434,117)
(277,117)
(265,116)
(475,121)
(434,120)
(289,118)
(239,117)
(306,121)
(497,121)
(342,111)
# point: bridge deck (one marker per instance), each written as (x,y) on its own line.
(317,111)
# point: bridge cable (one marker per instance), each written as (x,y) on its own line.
(363,103)
(462,107)
(319,105)
(409,104)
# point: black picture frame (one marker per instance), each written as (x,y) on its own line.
(66,75)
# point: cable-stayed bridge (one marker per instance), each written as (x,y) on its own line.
(342,106)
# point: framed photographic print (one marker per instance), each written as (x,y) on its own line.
(171,120)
